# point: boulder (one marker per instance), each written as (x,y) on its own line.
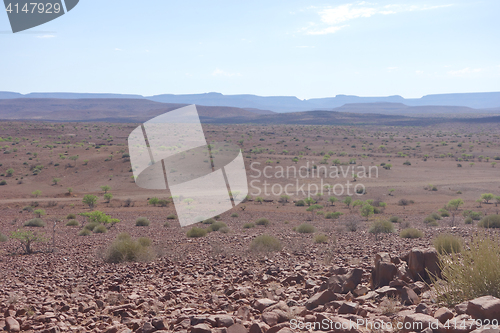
(321,298)
(347,282)
(422,260)
(418,322)
(263,303)
(384,271)
(409,297)
(12,325)
(443,315)
(486,307)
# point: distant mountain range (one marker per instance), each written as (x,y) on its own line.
(260,104)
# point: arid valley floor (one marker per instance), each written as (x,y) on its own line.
(220,282)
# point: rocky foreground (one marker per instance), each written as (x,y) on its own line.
(50,293)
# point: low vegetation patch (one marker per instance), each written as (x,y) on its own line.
(171,217)
(490,221)
(209,221)
(262,221)
(411,233)
(3,238)
(305,229)
(36,222)
(124,249)
(381,227)
(265,243)
(234,215)
(91,226)
(100,229)
(320,239)
(333,215)
(395,219)
(447,243)
(70,216)
(72,223)
(248,225)
(142,222)
(217,226)
(471,274)
(196,232)
(84,232)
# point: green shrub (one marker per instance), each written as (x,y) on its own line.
(300,203)
(469,220)
(91,226)
(99,217)
(473,273)
(381,227)
(305,229)
(248,225)
(166,225)
(72,223)
(84,232)
(224,230)
(262,221)
(171,217)
(196,232)
(395,219)
(476,216)
(333,215)
(446,243)
(265,243)
(490,221)
(321,238)
(435,216)
(209,221)
(411,233)
(71,216)
(142,222)
(216,226)
(36,222)
(444,212)
(124,249)
(3,238)
(100,229)
(429,219)
(234,215)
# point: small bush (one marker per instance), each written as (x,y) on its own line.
(124,249)
(262,221)
(171,217)
(265,243)
(36,222)
(91,226)
(474,273)
(491,221)
(100,229)
(72,223)
(217,226)
(305,229)
(142,222)
(444,213)
(234,215)
(429,219)
(395,219)
(320,239)
(196,232)
(209,221)
(435,216)
(469,220)
(166,225)
(411,233)
(300,203)
(3,182)
(84,232)
(333,215)
(224,230)
(446,243)
(476,216)
(403,202)
(71,216)
(248,225)
(3,238)
(381,227)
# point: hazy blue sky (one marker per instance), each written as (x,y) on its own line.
(290,47)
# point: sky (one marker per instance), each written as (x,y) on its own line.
(308,49)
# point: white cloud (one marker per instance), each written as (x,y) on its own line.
(117,49)
(325,31)
(333,16)
(220,72)
(390,69)
(305,47)
(419,72)
(46,36)
(465,71)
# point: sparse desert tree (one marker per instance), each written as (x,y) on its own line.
(259,200)
(108,197)
(70,190)
(90,200)
(56,180)
(27,239)
(10,172)
(188,201)
(493,164)
(284,199)
(391,190)
(105,188)
(348,201)
(367,210)
(487,197)
(39,212)
(313,208)
(381,227)
(309,201)
(36,193)
(74,158)
(497,200)
(332,200)
(453,207)
(154,201)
